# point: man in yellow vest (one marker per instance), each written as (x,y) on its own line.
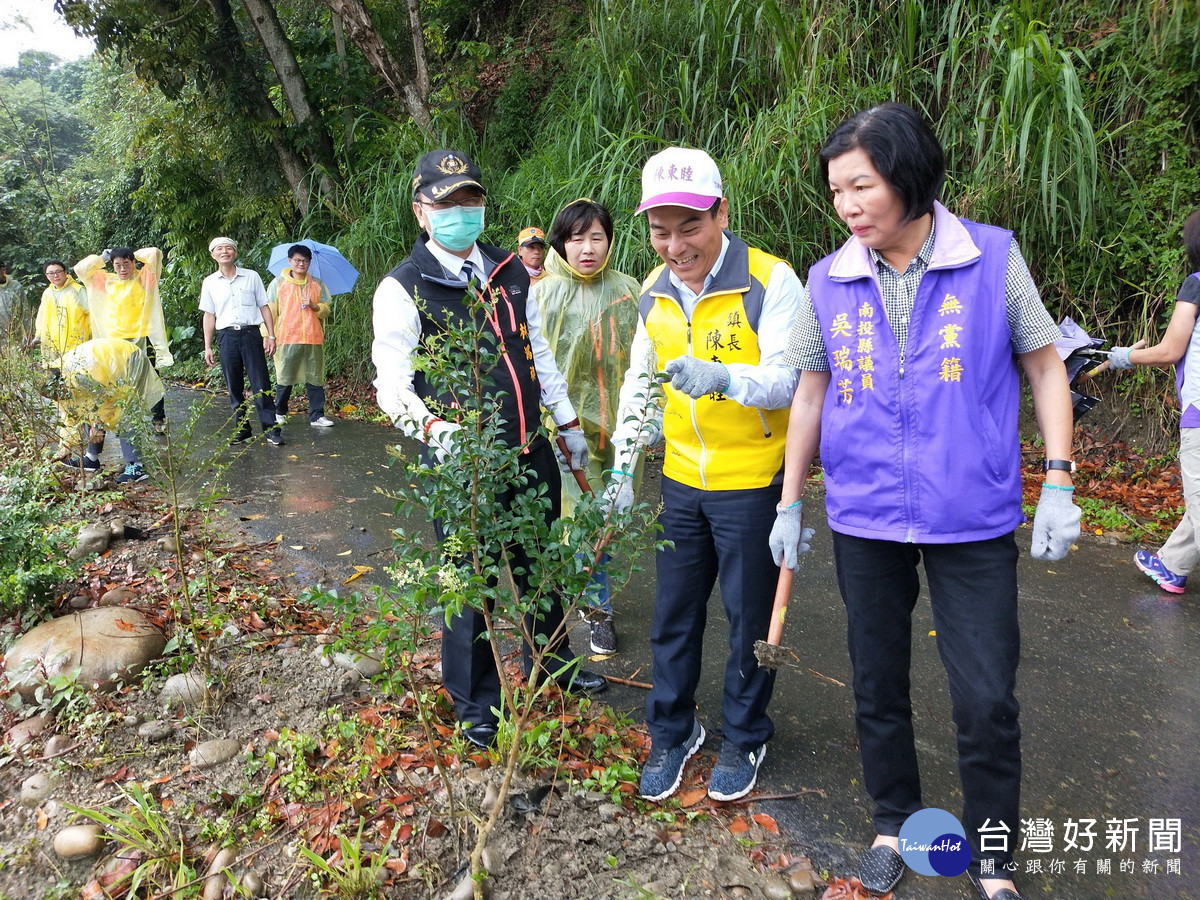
(714,317)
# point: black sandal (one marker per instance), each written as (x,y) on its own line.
(1002,894)
(880,869)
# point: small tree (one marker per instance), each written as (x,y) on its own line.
(473,567)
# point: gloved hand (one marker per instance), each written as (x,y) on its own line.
(789,538)
(697,377)
(1118,358)
(618,496)
(163,360)
(441,439)
(577,448)
(106,255)
(1055,523)
(650,433)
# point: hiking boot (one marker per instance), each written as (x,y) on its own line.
(133,472)
(1153,566)
(89,465)
(736,771)
(664,769)
(603,636)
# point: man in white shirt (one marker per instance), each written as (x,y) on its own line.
(445,265)
(234,303)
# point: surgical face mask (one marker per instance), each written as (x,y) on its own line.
(456,228)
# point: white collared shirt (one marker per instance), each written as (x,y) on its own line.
(234,301)
(397,326)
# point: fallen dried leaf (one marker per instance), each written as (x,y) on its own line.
(767,822)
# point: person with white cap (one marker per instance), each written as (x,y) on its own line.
(234,303)
(714,317)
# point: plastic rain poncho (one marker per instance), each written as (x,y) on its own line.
(299,332)
(130,309)
(589,321)
(105,378)
(10,305)
(63,321)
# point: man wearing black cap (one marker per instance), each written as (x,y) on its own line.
(446,263)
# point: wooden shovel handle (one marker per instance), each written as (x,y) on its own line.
(580,478)
(779,610)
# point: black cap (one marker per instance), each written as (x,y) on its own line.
(441,172)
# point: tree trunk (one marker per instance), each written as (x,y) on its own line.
(291,78)
(418,42)
(339,43)
(243,80)
(362,31)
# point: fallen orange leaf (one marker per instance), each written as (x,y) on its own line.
(739,826)
(767,822)
(691,798)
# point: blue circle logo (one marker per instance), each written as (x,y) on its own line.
(933,842)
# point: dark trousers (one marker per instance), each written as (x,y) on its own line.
(468,668)
(973,593)
(316,400)
(243,359)
(717,534)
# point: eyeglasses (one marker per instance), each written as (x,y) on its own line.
(469,202)
(50,273)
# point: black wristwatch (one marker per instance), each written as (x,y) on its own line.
(1062,465)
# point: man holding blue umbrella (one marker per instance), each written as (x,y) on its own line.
(300,304)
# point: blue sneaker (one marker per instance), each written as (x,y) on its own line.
(664,769)
(1153,566)
(736,771)
(133,472)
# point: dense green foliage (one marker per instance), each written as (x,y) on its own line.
(1074,125)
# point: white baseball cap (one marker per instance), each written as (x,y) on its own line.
(680,176)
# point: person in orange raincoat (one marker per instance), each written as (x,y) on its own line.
(300,305)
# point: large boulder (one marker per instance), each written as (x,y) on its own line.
(103,643)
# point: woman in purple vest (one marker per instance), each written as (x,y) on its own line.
(909,351)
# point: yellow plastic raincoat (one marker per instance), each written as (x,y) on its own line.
(589,321)
(103,378)
(129,309)
(63,321)
(299,309)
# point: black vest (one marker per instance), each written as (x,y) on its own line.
(513,381)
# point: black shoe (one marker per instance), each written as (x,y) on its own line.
(1002,894)
(880,869)
(241,437)
(89,465)
(482,736)
(603,637)
(274,438)
(582,681)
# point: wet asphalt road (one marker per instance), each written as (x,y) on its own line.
(1109,682)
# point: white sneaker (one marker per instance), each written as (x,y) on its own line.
(323,422)
(280,420)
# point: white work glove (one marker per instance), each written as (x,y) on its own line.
(789,538)
(441,440)
(1055,523)
(1118,358)
(106,255)
(618,496)
(577,448)
(697,377)
(163,360)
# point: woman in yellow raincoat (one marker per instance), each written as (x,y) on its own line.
(63,322)
(103,380)
(588,315)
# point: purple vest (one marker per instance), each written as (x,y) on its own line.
(929,453)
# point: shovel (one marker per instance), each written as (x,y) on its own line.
(769,653)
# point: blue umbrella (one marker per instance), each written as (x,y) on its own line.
(328,265)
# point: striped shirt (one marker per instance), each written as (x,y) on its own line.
(1031,325)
